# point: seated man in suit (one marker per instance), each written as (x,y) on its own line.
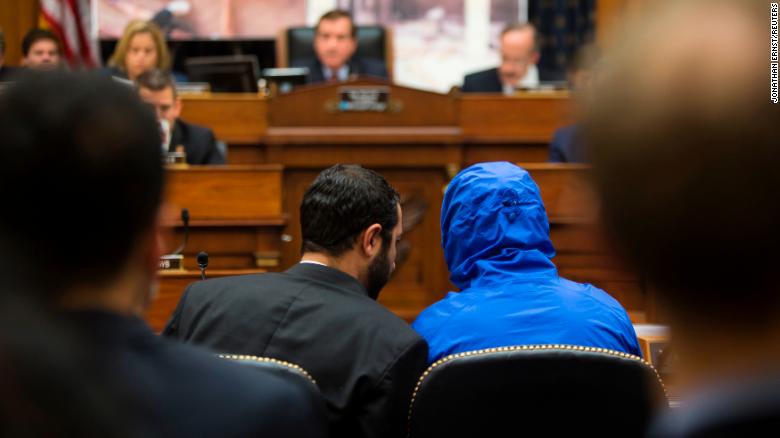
(92,153)
(685,156)
(322,313)
(567,145)
(496,241)
(41,50)
(519,56)
(335,42)
(157,88)
(6,73)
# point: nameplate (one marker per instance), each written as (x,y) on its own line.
(172,262)
(174,158)
(364,98)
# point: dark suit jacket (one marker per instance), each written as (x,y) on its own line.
(8,73)
(567,146)
(485,81)
(198,141)
(167,389)
(365,359)
(357,66)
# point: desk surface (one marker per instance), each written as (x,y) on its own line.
(246,118)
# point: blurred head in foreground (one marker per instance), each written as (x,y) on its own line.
(81,183)
(80,180)
(684,143)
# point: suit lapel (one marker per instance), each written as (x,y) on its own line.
(177,136)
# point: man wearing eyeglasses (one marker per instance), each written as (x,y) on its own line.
(157,89)
(519,56)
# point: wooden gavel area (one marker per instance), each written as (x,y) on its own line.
(245,214)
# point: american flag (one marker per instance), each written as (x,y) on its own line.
(71,21)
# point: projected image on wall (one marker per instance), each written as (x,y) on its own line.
(438,41)
(203,19)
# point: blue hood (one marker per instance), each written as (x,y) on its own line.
(494,226)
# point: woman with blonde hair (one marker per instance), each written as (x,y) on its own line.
(141,48)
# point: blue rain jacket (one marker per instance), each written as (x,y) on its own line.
(496,242)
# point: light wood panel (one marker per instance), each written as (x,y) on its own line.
(236,214)
(226,193)
(17,17)
(235,118)
(317,105)
(524,118)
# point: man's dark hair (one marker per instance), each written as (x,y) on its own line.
(335,15)
(36,35)
(513,27)
(156,80)
(80,177)
(343,201)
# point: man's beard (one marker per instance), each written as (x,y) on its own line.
(378,273)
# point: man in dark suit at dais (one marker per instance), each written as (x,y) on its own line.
(157,88)
(519,56)
(335,42)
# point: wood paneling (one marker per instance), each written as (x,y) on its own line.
(235,118)
(524,118)
(317,105)
(303,129)
(17,17)
(226,193)
(236,214)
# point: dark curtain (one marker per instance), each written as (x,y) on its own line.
(564,26)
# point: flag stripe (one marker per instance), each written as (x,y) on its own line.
(70,20)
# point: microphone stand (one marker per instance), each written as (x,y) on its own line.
(203,262)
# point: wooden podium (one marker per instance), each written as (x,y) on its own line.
(238,119)
(236,214)
(472,127)
(518,128)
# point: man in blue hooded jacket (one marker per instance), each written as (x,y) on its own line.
(495,235)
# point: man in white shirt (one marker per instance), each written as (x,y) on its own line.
(519,56)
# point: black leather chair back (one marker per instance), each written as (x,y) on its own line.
(371,43)
(275,366)
(543,390)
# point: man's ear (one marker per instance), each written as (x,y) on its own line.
(371,240)
(177,107)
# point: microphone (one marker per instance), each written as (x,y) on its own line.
(185,218)
(203,261)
